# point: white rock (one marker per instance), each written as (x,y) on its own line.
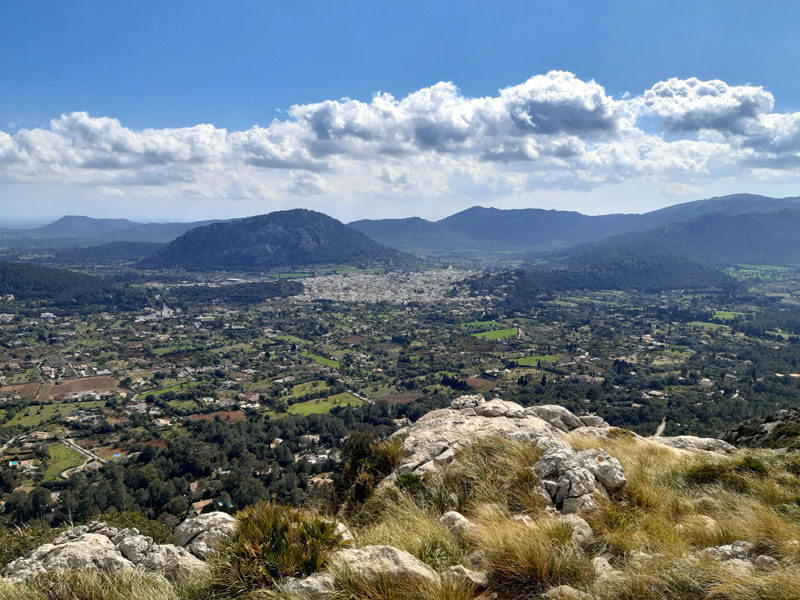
(457,523)
(316,586)
(605,468)
(566,592)
(468,576)
(385,562)
(558,416)
(581,530)
(203,533)
(691,442)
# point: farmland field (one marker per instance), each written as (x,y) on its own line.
(496,334)
(32,415)
(309,387)
(324,405)
(321,359)
(85,384)
(484,324)
(61,457)
(534,361)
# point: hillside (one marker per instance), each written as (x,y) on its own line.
(755,238)
(474,501)
(284,238)
(44,286)
(480,229)
(112,251)
(614,270)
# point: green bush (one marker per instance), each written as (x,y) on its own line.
(160,533)
(18,542)
(271,542)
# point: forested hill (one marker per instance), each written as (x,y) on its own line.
(621,270)
(756,238)
(284,238)
(113,251)
(61,288)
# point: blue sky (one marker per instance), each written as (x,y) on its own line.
(81,81)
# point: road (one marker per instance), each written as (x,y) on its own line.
(661,427)
(90,458)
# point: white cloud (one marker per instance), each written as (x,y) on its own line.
(551,132)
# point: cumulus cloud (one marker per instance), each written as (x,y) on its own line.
(687,105)
(553,131)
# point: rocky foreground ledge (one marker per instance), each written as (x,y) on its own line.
(570,482)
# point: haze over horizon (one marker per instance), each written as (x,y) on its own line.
(202,110)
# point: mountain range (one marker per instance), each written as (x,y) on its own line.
(283,238)
(480,229)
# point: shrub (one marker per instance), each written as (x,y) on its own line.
(271,541)
(160,533)
(19,541)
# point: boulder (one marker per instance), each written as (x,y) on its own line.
(566,592)
(200,535)
(558,416)
(88,550)
(172,560)
(737,550)
(384,562)
(464,575)
(457,523)
(317,586)
(581,530)
(570,479)
(432,440)
(691,442)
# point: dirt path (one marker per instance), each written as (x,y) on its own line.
(661,427)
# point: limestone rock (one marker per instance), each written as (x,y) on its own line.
(571,478)
(88,550)
(603,569)
(558,416)
(203,533)
(736,550)
(457,523)
(371,562)
(691,442)
(566,592)
(468,576)
(581,530)
(432,440)
(317,586)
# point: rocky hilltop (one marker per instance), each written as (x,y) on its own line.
(282,238)
(780,429)
(485,499)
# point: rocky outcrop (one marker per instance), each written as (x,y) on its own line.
(570,480)
(432,441)
(690,442)
(105,548)
(780,429)
(200,535)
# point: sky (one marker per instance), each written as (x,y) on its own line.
(188,110)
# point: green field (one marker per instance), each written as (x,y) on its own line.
(31,416)
(726,315)
(484,324)
(324,405)
(301,389)
(709,326)
(321,359)
(533,361)
(291,338)
(496,334)
(61,457)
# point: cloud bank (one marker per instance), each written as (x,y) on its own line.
(552,132)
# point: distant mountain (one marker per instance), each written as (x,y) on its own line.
(78,226)
(480,229)
(113,251)
(756,238)
(284,238)
(71,231)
